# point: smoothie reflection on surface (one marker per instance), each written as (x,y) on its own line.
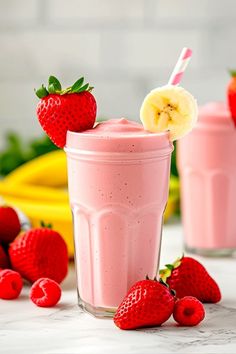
(118,177)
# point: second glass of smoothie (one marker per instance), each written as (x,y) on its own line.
(118,177)
(207,166)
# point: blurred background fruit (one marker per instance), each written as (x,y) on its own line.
(17,152)
(172,206)
(47,170)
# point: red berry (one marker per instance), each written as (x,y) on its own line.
(40,253)
(188,311)
(59,113)
(45,292)
(9,224)
(148,303)
(231,93)
(188,277)
(4,260)
(10,284)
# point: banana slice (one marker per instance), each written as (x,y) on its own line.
(169,108)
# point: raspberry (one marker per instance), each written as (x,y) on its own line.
(9,224)
(45,292)
(10,284)
(188,311)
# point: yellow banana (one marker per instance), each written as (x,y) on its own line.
(173,199)
(46,170)
(32,192)
(171,207)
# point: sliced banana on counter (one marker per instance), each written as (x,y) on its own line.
(169,108)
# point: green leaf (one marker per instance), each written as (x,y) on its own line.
(76,86)
(55,82)
(44,225)
(162,271)
(41,92)
(169,266)
(232,73)
(83,88)
(51,88)
(13,155)
(174,170)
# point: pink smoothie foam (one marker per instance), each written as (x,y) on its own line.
(207,166)
(118,186)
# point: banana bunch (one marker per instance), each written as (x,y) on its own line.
(39,189)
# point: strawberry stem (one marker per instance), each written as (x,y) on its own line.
(41,92)
(54,87)
(44,225)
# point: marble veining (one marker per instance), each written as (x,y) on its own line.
(66,329)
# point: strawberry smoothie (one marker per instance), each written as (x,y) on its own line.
(118,178)
(207,166)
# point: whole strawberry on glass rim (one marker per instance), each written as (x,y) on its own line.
(58,110)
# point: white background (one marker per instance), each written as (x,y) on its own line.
(123,47)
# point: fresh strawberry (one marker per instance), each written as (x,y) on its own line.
(9,224)
(188,277)
(148,303)
(40,253)
(61,110)
(188,311)
(231,93)
(45,292)
(4,260)
(10,284)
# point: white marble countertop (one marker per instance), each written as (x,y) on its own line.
(25,328)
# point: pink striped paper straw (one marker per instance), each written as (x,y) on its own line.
(180,66)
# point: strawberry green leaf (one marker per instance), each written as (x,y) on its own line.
(41,92)
(162,271)
(51,88)
(77,85)
(55,82)
(169,266)
(232,73)
(83,88)
(45,225)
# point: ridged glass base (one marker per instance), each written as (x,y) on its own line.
(99,312)
(217,252)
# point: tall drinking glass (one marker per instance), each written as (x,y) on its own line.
(118,187)
(207,167)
